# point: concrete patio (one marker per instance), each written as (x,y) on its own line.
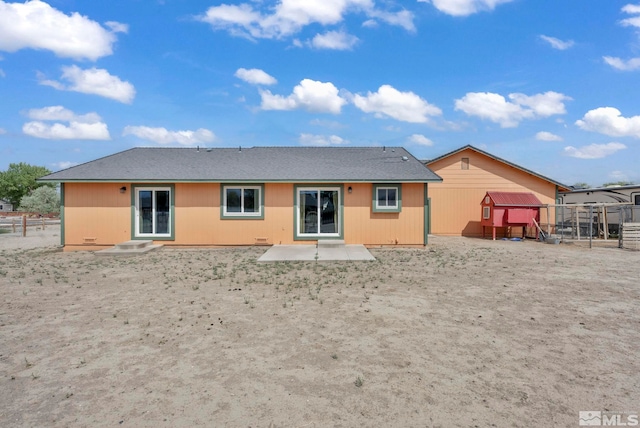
(325,250)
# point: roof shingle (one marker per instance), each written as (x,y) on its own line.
(256,164)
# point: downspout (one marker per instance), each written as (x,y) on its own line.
(62,240)
(427,214)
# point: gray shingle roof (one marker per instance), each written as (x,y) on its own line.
(257,164)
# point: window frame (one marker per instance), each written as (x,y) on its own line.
(135,224)
(486,213)
(387,209)
(297,235)
(225,215)
(464,164)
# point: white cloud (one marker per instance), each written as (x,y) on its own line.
(619,176)
(609,121)
(593,151)
(93,81)
(164,136)
(509,114)
(634,21)
(336,40)
(557,43)
(321,140)
(403,19)
(310,95)
(117,27)
(547,136)
(36,25)
(2,73)
(420,140)
(64,164)
(255,76)
(3,131)
(464,7)
(80,127)
(288,17)
(620,64)
(402,106)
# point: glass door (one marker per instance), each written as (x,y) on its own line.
(318,212)
(153,212)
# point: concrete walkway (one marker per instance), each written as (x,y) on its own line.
(281,253)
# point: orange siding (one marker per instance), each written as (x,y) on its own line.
(362,226)
(455,203)
(96,212)
(100,212)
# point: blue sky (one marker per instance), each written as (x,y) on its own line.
(550,85)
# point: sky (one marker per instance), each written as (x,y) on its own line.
(553,86)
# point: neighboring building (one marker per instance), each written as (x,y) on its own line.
(246,196)
(5,206)
(468,173)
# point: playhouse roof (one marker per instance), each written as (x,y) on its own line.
(514,199)
(255,164)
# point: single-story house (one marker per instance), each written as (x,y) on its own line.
(246,196)
(468,173)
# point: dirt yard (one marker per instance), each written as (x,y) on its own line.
(464,333)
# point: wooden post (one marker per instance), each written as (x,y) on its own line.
(605,222)
(24,225)
(42,223)
(578,222)
(548,222)
(13,224)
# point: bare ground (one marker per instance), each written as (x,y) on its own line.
(463,333)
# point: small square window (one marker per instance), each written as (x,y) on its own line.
(464,164)
(242,201)
(387,198)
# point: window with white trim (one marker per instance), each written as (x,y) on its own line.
(387,198)
(241,201)
(486,213)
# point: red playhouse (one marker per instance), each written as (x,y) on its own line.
(510,209)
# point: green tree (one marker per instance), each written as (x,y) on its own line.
(581,186)
(43,200)
(618,183)
(20,180)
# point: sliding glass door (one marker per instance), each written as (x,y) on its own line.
(318,212)
(153,212)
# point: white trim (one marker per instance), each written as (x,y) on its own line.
(387,207)
(319,234)
(139,234)
(257,202)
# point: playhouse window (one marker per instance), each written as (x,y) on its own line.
(242,202)
(387,198)
(486,212)
(464,163)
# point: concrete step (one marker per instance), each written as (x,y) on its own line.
(133,244)
(129,248)
(330,243)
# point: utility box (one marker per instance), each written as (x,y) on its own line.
(509,209)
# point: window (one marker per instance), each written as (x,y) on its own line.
(242,202)
(387,198)
(318,212)
(153,211)
(464,164)
(636,200)
(486,212)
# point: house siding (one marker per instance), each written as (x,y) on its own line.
(97,215)
(455,203)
